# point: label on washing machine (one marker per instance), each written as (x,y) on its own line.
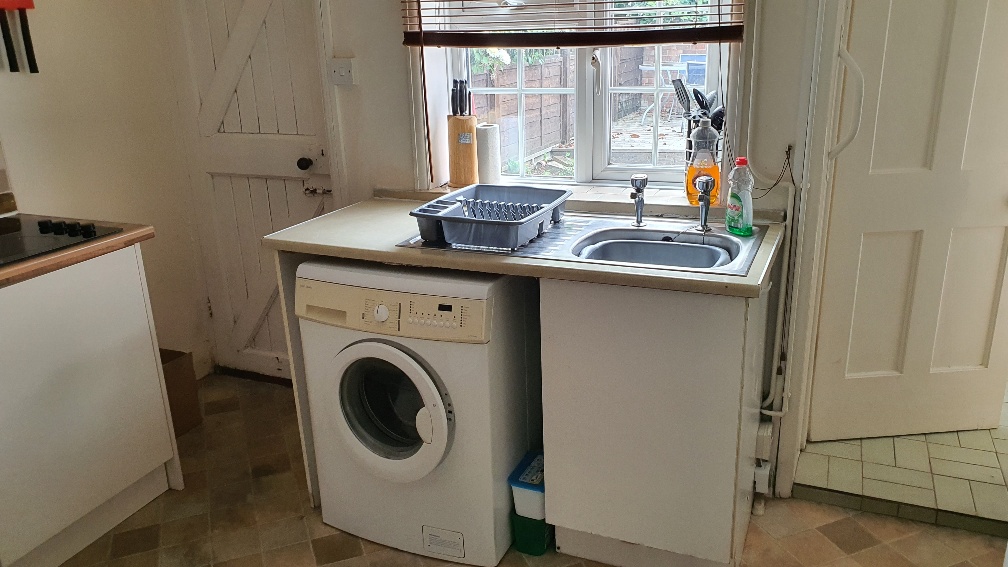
(443,542)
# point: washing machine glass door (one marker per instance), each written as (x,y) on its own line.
(393,416)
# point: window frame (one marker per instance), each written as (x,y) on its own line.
(591,148)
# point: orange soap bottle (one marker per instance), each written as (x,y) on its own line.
(704,141)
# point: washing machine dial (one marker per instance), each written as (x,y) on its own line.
(381,313)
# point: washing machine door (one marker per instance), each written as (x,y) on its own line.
(393,417)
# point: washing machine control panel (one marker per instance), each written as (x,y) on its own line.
(394,313)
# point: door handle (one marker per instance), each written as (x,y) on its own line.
(305,163)
(859,82)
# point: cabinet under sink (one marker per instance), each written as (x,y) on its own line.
(651,403)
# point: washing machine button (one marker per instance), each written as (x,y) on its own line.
(381,313)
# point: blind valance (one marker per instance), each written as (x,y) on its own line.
(569,23)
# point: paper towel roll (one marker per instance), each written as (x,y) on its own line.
(488,153)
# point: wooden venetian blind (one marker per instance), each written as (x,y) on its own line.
(569,23)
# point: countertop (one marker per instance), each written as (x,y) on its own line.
(37,266)
(370,230)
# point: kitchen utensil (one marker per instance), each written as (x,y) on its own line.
(27,40)
(464,97)
(717,118)
(455,97)
(8,41)
(701,100)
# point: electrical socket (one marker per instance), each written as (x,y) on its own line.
(341,72)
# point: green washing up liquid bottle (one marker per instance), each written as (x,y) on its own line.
(739,213)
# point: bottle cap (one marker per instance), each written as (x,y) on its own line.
(741,161)
(704,122)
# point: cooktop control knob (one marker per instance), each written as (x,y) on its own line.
(59,227)
(73,229)
(381,313)
(89,230)
(45,226)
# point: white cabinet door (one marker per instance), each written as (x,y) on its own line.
(641,415)
(81,410)
(910,338)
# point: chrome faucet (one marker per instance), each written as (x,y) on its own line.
(638,181)
(704,185)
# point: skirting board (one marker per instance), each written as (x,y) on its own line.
(97,523)
(621,553)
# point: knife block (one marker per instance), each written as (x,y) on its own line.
(463,169)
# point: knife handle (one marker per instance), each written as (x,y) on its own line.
(8,42)
(27,39)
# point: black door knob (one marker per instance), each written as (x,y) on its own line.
(304,163)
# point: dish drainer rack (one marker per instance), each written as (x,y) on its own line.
(491,216)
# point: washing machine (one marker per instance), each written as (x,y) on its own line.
(419,386)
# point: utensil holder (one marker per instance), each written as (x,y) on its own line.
(463,168)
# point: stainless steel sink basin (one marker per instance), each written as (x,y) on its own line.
(658,253)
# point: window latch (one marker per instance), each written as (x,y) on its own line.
(596,63)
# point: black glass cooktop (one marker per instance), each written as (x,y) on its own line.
(27,236)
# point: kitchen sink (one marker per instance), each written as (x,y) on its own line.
(658,253)
(668,244)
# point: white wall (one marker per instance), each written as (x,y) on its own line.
(93,136)
(377,116)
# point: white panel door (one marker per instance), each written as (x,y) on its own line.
(257,69)
(910,338)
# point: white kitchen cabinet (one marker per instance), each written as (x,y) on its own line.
(82,408)
(651,406)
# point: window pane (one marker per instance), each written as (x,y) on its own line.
(671,134)
(631,66)
(632,128)
(549,68)
(494,67)
(501,109)
(549,135)
(684,61)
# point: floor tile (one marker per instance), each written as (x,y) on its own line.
(391,558)
(282,533)
(135,541)
(849,535)
(835,449)
(811,548)
(145,559)
(896,475)
(184,530)
(297,555)
(149,515)
(887,528)
(197,553)
(235,543)
(913,437)
(911,454)
(230,519)
(881,556)
(991,559)
(270,464)
(335,547)
(844,475)
(813,469)
(277,508)
(1003,458)
(968,544)
(991,475)
(949,438)
(247,561)
(924,550)
(999,432)
(878,450)
(762,550)
(1001,445)
(316,527)
(991,500)
(230,495)
(550,559)
(953,494)
(784,517)
(979,439)
(899,493)
(960,455)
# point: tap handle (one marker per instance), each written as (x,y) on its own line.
(704,184)
(638,181)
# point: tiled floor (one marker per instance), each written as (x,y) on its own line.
(246,505)
(960,472)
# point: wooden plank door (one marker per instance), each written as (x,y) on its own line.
(257,70)
(910,338)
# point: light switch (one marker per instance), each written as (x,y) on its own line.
(341,71)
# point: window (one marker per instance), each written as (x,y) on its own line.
(559,123)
